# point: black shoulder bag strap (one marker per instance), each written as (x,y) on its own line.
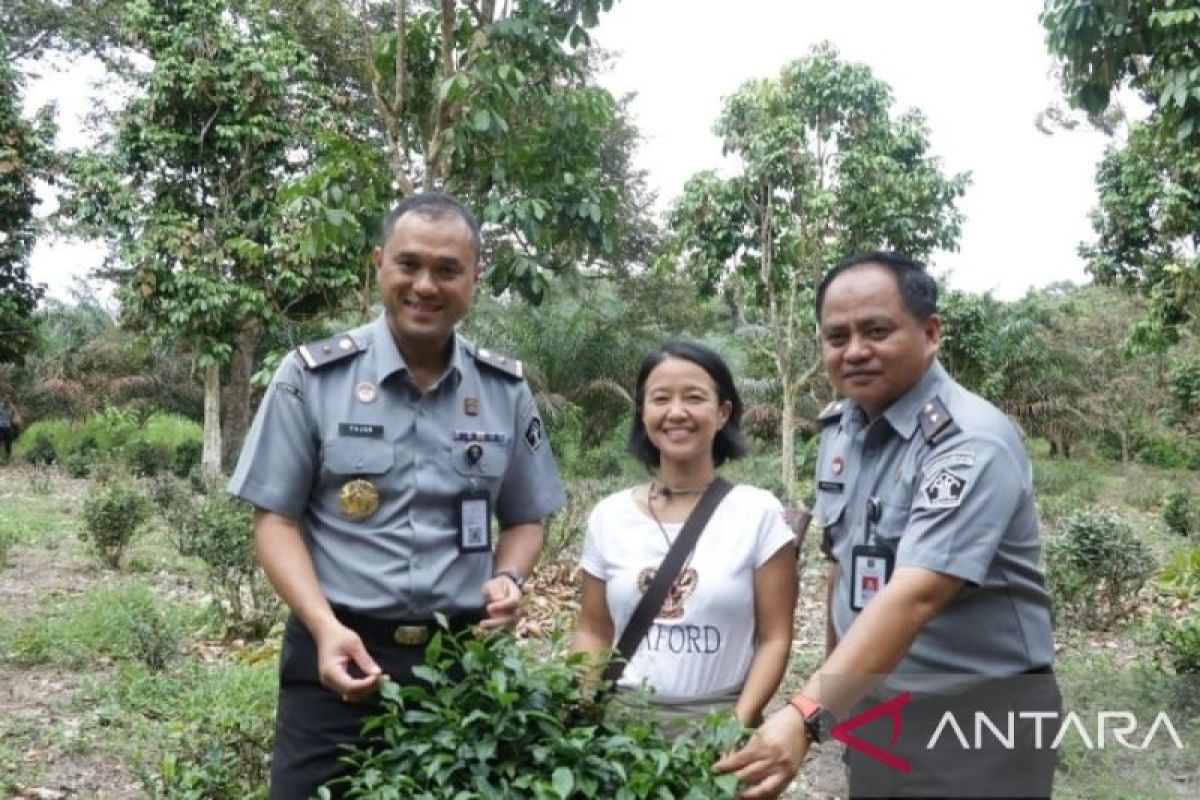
(651,602)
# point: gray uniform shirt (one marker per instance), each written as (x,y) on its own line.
(961,506)
(362,417)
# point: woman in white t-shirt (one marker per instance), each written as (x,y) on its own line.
(724,634)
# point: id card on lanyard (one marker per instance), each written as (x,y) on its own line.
(870,563)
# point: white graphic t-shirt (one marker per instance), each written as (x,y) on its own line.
(702,641)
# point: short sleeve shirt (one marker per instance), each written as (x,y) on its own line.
(702,642)
(961,505)
(362,418)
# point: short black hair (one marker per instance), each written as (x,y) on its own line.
(918,290)
(729,441)
(435,206)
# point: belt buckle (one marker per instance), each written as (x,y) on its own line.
(410,635)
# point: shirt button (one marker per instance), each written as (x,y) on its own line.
(359,463)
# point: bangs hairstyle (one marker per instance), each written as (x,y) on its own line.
(729,441)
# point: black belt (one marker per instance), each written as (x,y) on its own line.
(406,632)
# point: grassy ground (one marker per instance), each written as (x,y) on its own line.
(119,684)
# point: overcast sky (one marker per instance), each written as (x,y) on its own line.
(978,69)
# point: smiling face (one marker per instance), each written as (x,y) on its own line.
(683,411)
(874,349)
(427,273)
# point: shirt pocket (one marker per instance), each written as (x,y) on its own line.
(359,457)
(491,463)
(829,516)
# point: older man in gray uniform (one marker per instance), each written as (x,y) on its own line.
(925,495)
(376,463)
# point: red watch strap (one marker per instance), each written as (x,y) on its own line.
(805,705)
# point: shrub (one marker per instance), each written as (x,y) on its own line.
(42,452)
(50,437)
(111,516)
(78,465)
(514,724)
(1181,575)
(1095,567)
(187,458)
(1177,511)
(127,622)
(111,429)
(1182,641)
(220,532)
(146,458)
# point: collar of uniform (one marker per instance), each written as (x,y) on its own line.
(902,414)
(389,360)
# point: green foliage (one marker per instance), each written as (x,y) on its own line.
(112,516)
(1181,575)
(199,731)
(124,621)
(26,152)
(8,538)
(1179,513)
(220,532)
(826,170)
(1052,478)
(513,724)
(1095,567)
(1148,217)
(1181,641)
(1185,384)
(40,451)
(1148,46)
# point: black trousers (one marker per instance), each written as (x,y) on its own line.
(988,767)
(313,725)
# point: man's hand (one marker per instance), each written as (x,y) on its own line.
(768,762)
(502,600)
(338,648)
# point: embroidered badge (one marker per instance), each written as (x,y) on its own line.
(958,458)
(944,489)
(534,435)
(366,392)
(471,406)
(837,464)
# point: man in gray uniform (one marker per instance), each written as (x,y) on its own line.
(925,495)
(376,462)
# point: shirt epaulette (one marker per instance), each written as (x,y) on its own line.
(832,412)
(511,367)
(329,350)
(936,422)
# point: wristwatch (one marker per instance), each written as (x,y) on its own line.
(818,721)
(517,580)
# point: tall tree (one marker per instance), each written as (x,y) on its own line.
(185,189)
(826,170)
(1148,219)
(26,155)
(497,103)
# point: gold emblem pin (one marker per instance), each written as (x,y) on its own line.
(366,392)
(358,499)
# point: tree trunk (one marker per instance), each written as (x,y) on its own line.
(236,404)
(1124,445)
(211,460)
(787,441)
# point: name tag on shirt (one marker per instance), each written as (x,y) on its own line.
(870,569)
(360,430)
(474,522)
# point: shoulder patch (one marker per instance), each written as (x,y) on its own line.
(936,422)
(327,351)
(511,367)
(832,412)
